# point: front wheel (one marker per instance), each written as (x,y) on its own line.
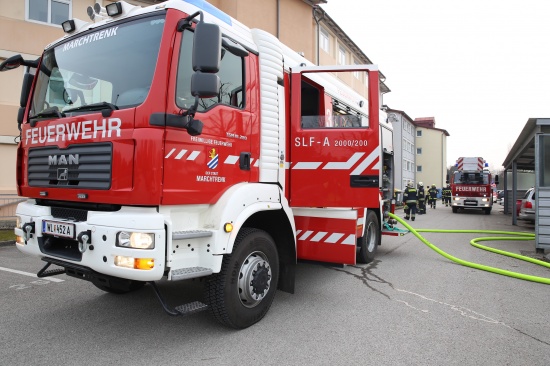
(242,293)
(487,211)
(455,209)
(368,244)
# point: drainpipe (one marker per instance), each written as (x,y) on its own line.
(278,17)
(317,20)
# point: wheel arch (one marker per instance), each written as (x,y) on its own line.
(277,224)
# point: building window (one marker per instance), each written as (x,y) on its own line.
(342,56)
(419,133)
(418,151)
(49,11)
(324,41)
(419,168)
(231,74)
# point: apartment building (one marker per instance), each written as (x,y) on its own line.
(404,132)
(431,152)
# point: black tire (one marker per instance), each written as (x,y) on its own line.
(123,287)
(368,243)
(487,211)
(233,297)
(455,209)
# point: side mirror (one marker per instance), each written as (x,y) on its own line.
(207,48)
(496,179)
(205,85)
(12,63)
(15,61)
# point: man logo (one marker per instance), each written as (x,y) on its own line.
(71,159)
(62,174)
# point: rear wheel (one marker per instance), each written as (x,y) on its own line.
(242,293)
(368,244)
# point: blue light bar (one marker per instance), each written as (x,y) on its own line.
(210,9)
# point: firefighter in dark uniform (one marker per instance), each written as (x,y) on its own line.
(447,195)
(433,196)
(410,197)
(421,199)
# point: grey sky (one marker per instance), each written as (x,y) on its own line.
(481,68)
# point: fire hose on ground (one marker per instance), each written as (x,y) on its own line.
(511,235)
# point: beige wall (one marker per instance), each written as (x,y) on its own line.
(296,23)
(433,158)
(8,152)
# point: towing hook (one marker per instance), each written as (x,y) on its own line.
(84,238)
(28,230)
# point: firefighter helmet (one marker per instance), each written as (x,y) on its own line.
(421,184)
(433,185)
(410,184)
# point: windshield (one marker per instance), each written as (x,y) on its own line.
(471,178)
(112,64)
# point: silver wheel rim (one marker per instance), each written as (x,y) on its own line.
(370,237)
(254,279)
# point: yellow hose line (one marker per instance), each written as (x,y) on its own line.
(512,236)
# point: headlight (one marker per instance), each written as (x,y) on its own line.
(135,240)
(484,199)
(18,222)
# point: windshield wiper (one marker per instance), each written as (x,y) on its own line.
(46,113)
(105,108)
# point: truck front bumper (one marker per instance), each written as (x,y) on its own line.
(98,252)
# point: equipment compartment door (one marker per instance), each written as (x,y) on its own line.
(334,145)
(327,235)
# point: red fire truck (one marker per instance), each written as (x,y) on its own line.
(471,185)
(171,142)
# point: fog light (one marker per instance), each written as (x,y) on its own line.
(134,263)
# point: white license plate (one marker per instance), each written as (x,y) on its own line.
(56,228)
(470,203)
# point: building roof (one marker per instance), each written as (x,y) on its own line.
(346,40)
(389,110)
(428,123)
(523,151)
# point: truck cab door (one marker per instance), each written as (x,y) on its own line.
(198,169)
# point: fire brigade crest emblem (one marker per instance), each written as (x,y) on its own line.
(213,162)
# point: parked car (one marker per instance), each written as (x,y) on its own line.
(500,194)
(528,206)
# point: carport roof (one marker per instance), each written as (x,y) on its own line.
(523,151)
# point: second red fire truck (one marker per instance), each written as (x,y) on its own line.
(172,142)
(471,185)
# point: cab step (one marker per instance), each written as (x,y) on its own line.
(180,310)
(190,272)
(191,308)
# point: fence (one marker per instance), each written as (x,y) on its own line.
(8,204)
